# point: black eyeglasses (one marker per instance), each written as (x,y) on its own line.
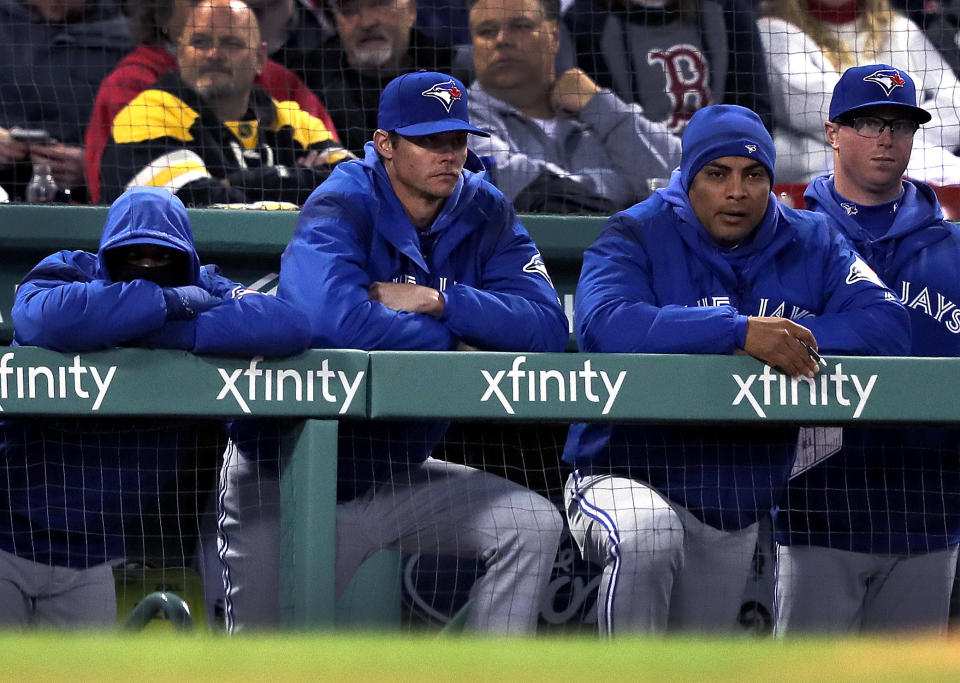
(873,126)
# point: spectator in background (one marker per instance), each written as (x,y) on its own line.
(868,537)
(54,54)
(376,41)
(672,57)
(809,43)
(208,133)
(672,512)
(157,26)
(559,144)
(68,486)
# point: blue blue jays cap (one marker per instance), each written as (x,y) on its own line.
(724,130)
(874,85)
(425,102)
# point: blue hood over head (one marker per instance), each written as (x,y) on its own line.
(148,215)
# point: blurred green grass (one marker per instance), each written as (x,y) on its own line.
(37,656)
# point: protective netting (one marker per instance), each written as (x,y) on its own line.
(585,100)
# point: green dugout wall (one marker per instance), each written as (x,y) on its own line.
(245,244)
(322,387)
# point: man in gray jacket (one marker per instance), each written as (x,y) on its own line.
(558,144)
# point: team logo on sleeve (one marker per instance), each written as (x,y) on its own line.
(447,92)
(888,79)
(240,292)
(536,265)
(861,272)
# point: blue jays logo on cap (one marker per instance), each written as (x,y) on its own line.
(407,105)
(875,85)
(888,79)
(447,93)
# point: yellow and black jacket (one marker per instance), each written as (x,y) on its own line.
(168,137)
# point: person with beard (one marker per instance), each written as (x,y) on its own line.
(209,134)
(67,486)
(376,41)
(156,26)
(672,57)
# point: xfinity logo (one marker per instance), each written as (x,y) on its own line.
(35,381)
(258,384)
(774,388)
(551,385)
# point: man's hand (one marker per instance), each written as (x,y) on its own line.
(322,157)
(572,90)
(187,302)
(66,162)
(400,296)
(11,151)
(780,343)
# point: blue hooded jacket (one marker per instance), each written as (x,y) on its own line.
(68,302)
(69,489)
(891,490)
(353,231)
(656,282)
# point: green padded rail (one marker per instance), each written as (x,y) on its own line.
(496,386)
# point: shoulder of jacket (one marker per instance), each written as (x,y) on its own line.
(152,114)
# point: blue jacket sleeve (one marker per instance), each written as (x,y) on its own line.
(247,323)
(616,310)
(60,305)
(517,308)
(324,273)
(862,316)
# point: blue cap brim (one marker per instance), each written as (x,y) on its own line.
(442,126)
(919,115)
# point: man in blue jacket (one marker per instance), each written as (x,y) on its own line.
(408,250)
(67,487)
(711,264)
(868,537)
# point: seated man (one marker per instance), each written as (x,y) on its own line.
(210,135)
(156,26)
(376,41)
(868,537)
(407,250)
(706,266)
(67,486)
(560,144)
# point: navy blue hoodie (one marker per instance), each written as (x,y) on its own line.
(890,490)
(69,489)
(656,282)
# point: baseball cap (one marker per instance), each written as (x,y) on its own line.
(425,102)
(873,85)
(724,130)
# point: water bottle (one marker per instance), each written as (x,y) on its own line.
(42,188)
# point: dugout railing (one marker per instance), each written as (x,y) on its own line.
(477,386)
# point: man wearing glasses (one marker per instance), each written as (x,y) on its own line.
(868,536)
